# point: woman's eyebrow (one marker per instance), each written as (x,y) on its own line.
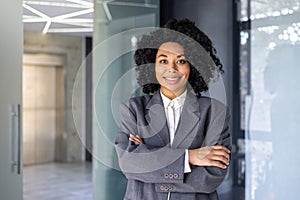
(163,55)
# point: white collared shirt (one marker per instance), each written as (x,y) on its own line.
(177,105)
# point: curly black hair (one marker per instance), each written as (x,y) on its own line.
(205,66)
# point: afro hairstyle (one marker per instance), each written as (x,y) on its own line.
(205,66)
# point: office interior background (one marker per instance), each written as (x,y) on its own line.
(67,64)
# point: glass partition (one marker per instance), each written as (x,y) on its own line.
(269,54)
(118,25)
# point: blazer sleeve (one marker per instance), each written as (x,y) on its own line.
(143,162)
(206,179)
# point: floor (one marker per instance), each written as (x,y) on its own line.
(58,181)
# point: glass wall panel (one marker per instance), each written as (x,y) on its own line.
(118,25)
(269,73)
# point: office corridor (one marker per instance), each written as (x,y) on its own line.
(58,181)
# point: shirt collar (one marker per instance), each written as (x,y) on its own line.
(178,101)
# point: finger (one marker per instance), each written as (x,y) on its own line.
(218,164)
(139,138)
(219,147)
(134,136)
(220,159)
(132,140)
(221,153)
(135,139)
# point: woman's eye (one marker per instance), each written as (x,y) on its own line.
(163,61)
(181,61)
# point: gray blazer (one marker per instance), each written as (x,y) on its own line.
(155,168)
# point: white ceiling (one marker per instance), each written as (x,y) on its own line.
(73,17)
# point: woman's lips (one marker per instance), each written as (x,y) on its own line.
(172,80)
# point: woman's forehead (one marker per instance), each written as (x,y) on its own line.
(171,48)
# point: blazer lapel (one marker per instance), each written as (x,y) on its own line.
(188,123)
(156,118)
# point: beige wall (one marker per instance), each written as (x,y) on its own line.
(69,146)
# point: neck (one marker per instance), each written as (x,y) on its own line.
(170,94)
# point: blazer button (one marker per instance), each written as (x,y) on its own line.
(175,175)
(171,176)
(169,188)
(166,175)
(162,188)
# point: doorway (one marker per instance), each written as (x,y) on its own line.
(47,175)
(43,109)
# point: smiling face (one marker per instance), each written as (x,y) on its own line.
(172,69)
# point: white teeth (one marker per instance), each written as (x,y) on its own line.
(171,79)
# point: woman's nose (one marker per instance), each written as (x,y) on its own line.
(173,66)
(172,70)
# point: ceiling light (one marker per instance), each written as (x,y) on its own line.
(47,27)
(106,10)
(70,30)
(57,4)
(34,19)
(82,2)
(72,20)
(144,5)
(69,18)
(76,23)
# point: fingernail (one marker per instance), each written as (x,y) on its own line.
(225,166)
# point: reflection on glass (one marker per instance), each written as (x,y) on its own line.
(244,10)
(271,113)
(244,72)
(268,8)
(118,24)
(282,63)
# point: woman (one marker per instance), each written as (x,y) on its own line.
(175,143)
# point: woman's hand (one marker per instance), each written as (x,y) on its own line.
(217,156)
(136,139)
